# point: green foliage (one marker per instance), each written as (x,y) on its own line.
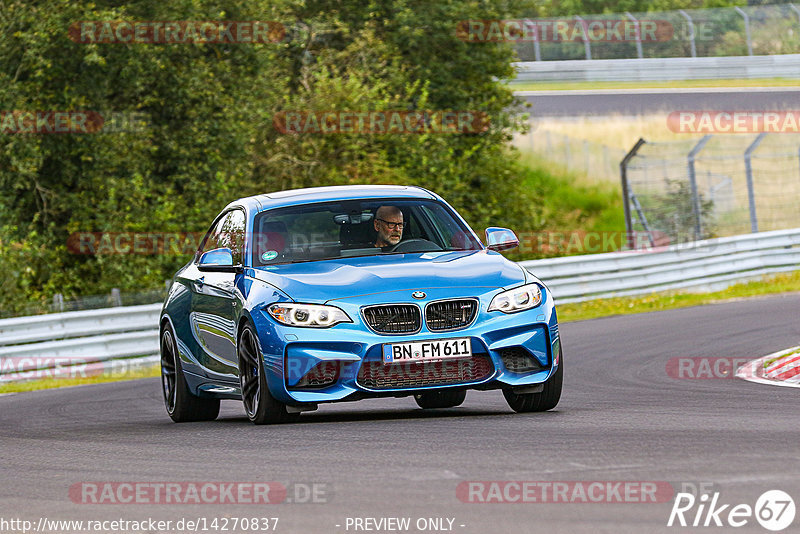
(673,213)
(209,136)
(559,8)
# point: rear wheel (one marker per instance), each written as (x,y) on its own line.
(547,399)
(260,406)
(182,406)
(440,399)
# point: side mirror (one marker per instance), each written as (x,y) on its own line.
(498,239)
(219,260)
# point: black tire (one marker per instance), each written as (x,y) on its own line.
(545,400)
(182,405)
(441,399)
(261,407)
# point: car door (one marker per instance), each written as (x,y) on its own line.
(216,299)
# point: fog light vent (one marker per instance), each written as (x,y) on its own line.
(519,360)
(321,375)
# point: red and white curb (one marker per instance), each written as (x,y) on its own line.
(784,371)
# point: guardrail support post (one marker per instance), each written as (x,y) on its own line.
(748,169)
(691,31)
(626,195)
(794,8)
(537,52)
(58,302)
(746,29)
(116,297)
(638,34)
(587,46)
(698,225)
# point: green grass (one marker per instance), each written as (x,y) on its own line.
(781,283)
(571,206)
(583,86)
(50,383)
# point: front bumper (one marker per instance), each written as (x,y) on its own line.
(498,341)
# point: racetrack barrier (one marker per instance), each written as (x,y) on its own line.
(128,335)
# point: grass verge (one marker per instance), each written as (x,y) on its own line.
(50,383)
(573,205)
(780,283)
(677,84)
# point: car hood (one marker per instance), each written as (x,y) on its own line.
(321,281)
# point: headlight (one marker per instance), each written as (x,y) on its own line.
(310,315)
(517,299)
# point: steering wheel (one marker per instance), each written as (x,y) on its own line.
(416,245)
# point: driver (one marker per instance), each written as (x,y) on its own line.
(389,225)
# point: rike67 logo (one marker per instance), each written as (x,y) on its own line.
(774,510)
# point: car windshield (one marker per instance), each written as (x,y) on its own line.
(332,230)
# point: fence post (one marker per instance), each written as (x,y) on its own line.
(746,29)
(116,297)
(58,302)
(530,133)
(638,34)
(587,46)
(794,8)
(691,31)
(698,226)
(623,173)
(586,164)
(748,169)
(537,52)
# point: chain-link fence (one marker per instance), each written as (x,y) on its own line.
(598,162)
(752,30)
(720,185)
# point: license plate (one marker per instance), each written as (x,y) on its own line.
(417,351)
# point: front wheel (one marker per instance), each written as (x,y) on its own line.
(260,406)
(182,406)
(547,399)
(440,399)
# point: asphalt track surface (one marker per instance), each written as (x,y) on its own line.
(652,101)
(621,418)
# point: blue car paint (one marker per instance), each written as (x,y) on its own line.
(351,283)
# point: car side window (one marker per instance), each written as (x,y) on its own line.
(229,232)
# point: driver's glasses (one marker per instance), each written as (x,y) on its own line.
(392,225)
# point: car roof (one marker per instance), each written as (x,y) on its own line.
(338,192)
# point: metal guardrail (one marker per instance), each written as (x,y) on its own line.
(702,265)
(659,69)
(74,344)
(98,340)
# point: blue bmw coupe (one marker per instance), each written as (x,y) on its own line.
(335,294)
